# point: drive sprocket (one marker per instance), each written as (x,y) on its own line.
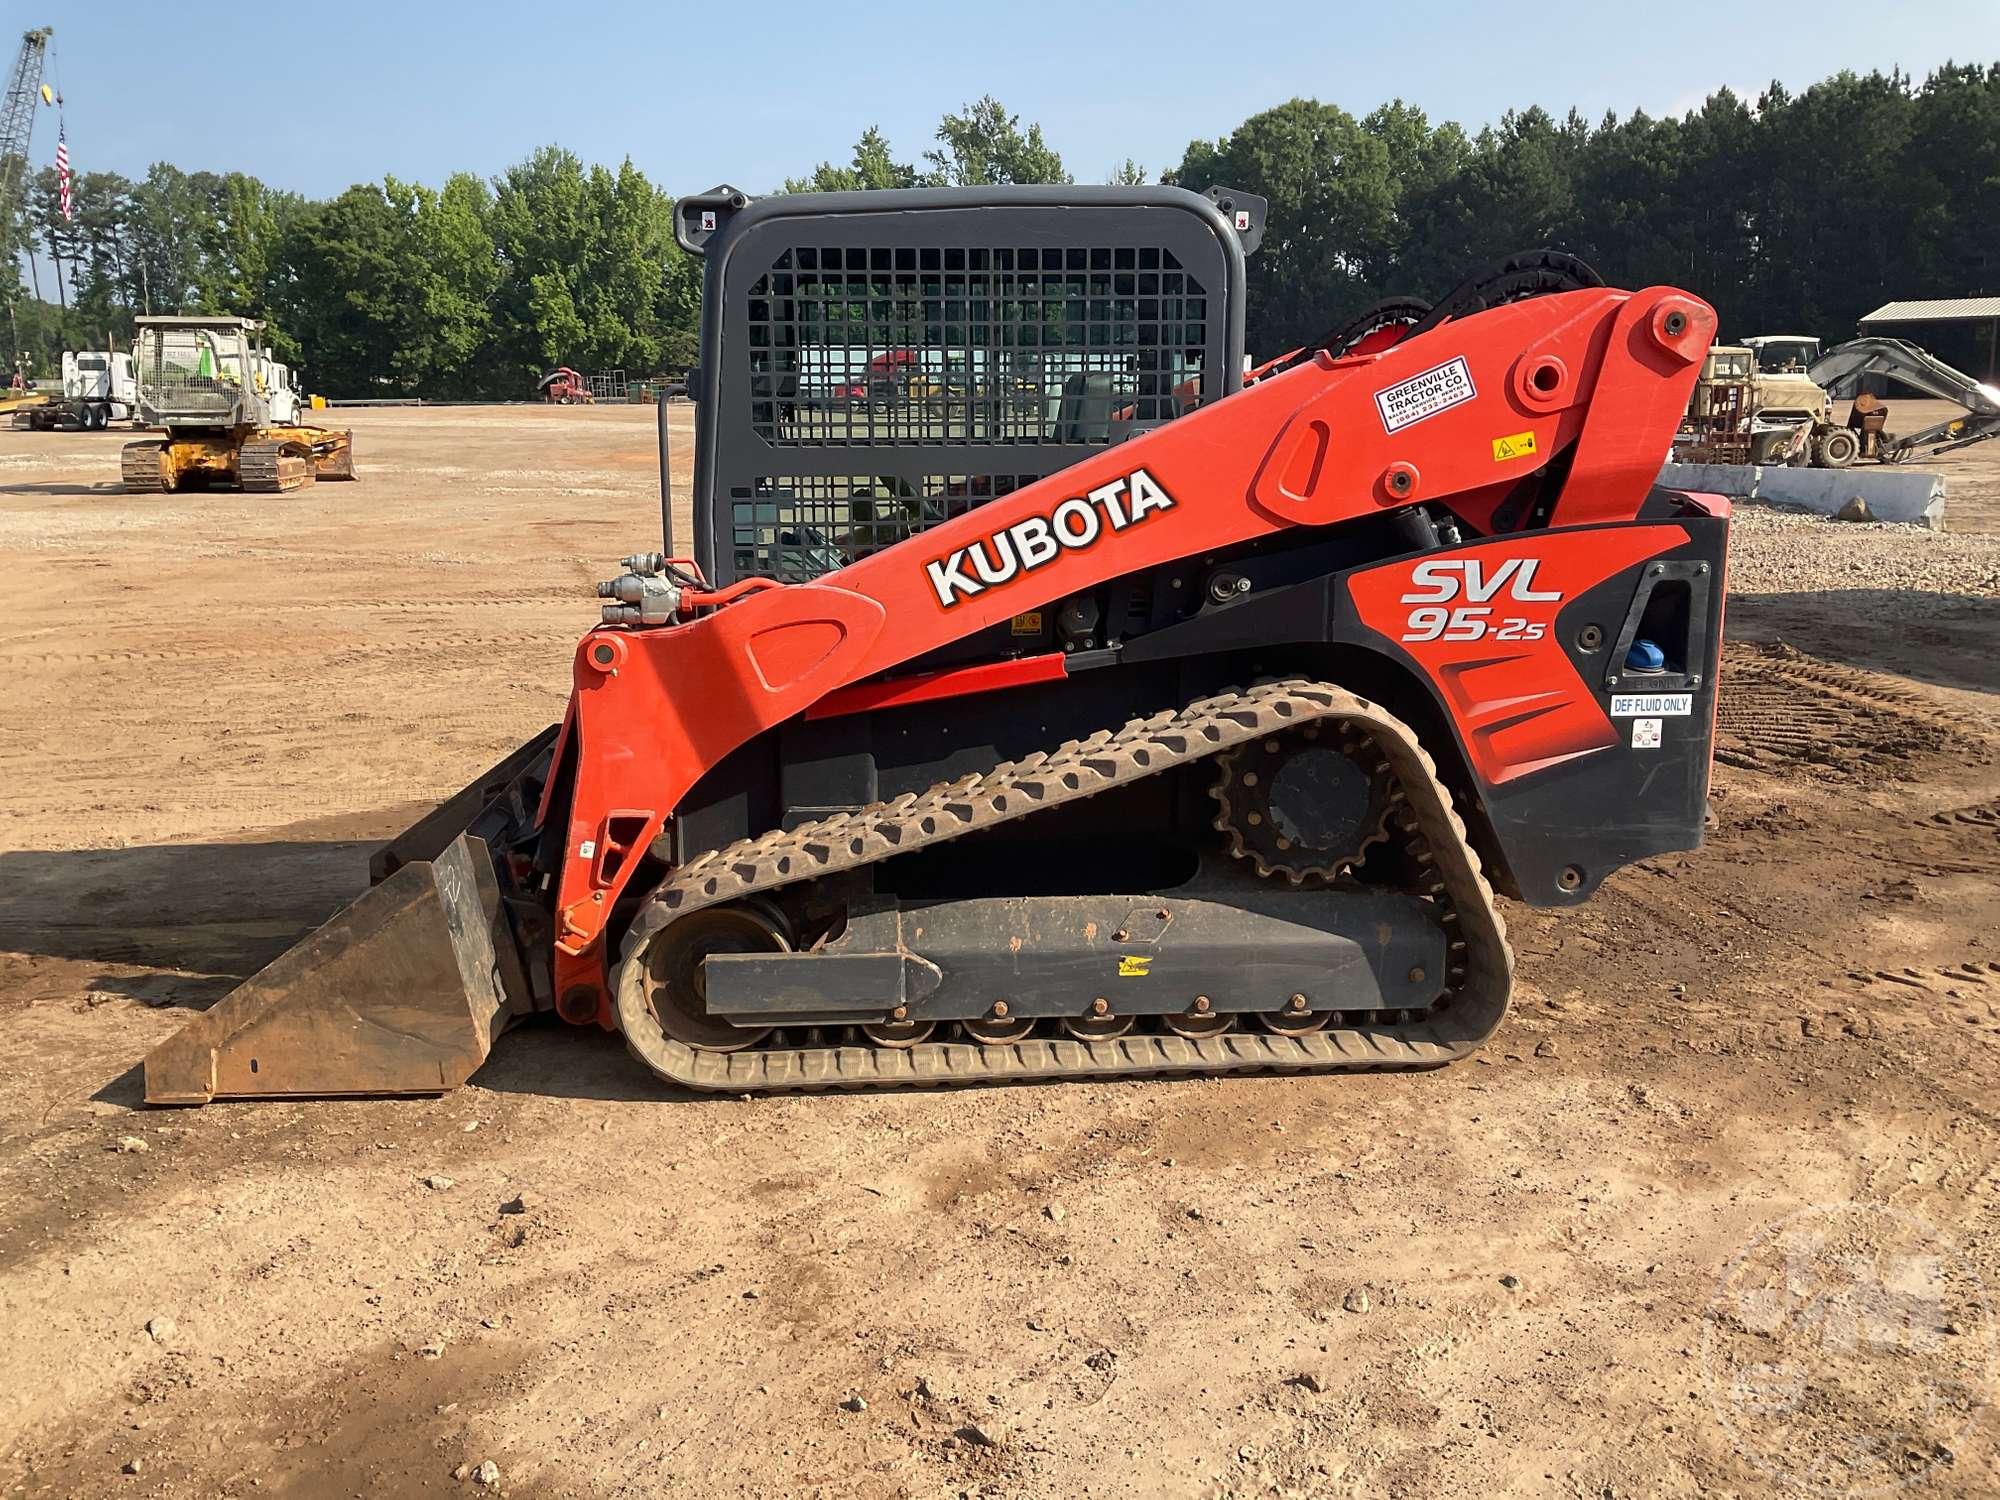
(1306,805)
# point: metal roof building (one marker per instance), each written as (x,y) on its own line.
(1965,329)
(1942,310)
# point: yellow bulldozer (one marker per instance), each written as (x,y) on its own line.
(230,413)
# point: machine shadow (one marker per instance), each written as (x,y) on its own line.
(58,487)
(205,916)
(127,1090)
(1948,640)
(551,1059)
(209,913)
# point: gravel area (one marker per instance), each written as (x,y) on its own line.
(1781,552)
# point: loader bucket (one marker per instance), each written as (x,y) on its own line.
(401,992)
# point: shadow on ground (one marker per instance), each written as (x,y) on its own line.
(58,487)
(203,909)
(551,1059)
(200,917)
(1950,640)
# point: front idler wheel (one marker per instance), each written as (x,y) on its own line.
(676,983)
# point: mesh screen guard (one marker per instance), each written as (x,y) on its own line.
(869,374)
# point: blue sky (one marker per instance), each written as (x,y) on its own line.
(698,94)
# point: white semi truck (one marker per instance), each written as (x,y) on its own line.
(99,387)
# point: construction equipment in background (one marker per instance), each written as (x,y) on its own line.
(1716,427)
(672,386)
(101,387)
(1844,370)
(1741,412)
(17,121)
(564,387)
(29,407)
(230,410)
(1192,740)
(1783,353)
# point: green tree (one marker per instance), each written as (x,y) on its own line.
(165,250)
(1947,176)
(345,296)
(873,167)
(590,274)
(240,258)
(1332,201)
(454,276)
(985,146)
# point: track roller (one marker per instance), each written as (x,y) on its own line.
(998,1031)
(1098,1027)
(899,1033)
(1199,1021)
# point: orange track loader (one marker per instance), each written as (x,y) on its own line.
(1107,708)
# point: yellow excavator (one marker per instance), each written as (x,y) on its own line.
(230,413)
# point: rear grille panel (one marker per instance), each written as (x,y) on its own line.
(191,373)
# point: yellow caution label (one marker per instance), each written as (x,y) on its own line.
(1135,965)
(1517,445)
(1029,623)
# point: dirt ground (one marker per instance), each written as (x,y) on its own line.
(1715,1214)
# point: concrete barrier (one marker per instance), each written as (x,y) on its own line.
(1891,494)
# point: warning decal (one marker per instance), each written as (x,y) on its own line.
(1425,395)
(1519,445)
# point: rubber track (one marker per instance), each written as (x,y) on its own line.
(1480,964)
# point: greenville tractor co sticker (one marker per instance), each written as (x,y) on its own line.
(1425,395)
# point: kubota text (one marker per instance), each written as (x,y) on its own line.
(1070,525)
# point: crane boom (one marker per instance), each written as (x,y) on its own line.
(17,119)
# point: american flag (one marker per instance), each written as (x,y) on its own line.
(62,174)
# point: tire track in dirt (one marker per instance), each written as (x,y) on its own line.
(1980,816)
(1782,711)
(341,654)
